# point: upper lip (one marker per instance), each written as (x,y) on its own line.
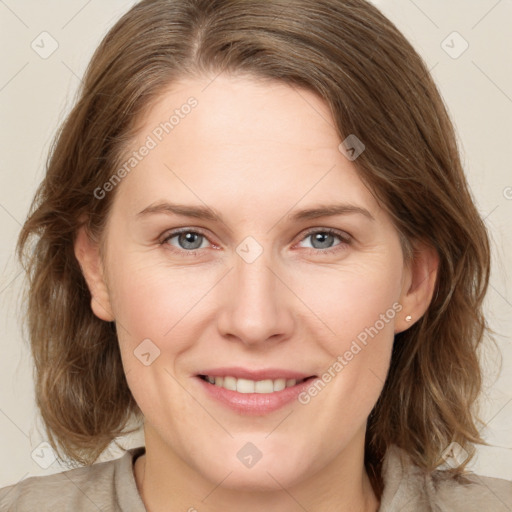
(263,374)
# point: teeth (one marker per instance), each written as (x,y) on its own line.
(245,386)
(251,386)
(229,383)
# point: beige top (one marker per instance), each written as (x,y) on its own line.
(110,486)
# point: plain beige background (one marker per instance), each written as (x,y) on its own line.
(46,46)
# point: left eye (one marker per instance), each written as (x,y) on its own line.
(322,239)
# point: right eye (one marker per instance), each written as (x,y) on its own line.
(187,240)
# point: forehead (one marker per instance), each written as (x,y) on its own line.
(241,139)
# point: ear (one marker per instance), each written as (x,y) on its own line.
(418,285)
(87,253)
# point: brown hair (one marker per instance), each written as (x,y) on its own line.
(377,88)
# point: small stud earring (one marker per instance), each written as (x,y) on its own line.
(408,318)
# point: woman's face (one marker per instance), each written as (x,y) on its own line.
(266,289)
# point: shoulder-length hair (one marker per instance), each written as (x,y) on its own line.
(378,88)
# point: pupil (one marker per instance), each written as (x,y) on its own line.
(322,238)
(190,238)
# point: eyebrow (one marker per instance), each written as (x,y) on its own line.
(329,211)
(207,213)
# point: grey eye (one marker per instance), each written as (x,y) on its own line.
(187,240)
(322,240)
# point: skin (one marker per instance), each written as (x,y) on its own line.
(255,152)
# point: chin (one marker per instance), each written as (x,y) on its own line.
(257,481)
(274,470)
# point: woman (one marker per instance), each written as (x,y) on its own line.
(255,236)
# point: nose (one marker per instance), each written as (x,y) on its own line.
(257,305)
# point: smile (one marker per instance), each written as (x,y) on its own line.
(251,386)
(253,397)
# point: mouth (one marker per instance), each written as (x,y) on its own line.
(246,386)
(253,391)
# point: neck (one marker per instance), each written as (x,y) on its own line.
(167,483)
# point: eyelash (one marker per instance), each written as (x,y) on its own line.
(345,240)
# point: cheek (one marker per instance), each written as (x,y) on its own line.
(151,302)
(358,306)
(150,299)
(350,301)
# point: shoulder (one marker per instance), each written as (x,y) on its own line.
(407,487)
(84,488)
(471,492)
(89,488)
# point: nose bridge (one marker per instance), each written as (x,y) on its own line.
(255,307)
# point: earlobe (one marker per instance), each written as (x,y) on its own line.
(88,255)
(419,286)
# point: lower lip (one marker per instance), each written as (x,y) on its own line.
(255,403)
